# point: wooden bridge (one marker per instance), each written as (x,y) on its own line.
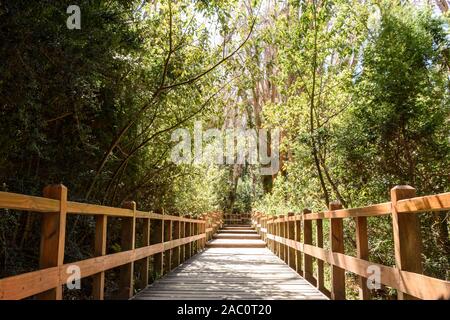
(172,257)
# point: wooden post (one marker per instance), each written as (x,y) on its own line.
(201,231)
(98,280)
(53,236)
(167,253)
(273,231)
(407,237)
(206,224)
(126,282)
(157,236)
(319,238)
(307,239)
(205,239)
(280,247)
(144,263)
(291,235)
(183,247)
(266,225)
(362,252)
(258,220)
(176,250)
(337,245)
(207,233)
(281,234)
(286,236)
(192,243)
(298,254)
(262,221)
(187,232)
(269,231)
(196,232)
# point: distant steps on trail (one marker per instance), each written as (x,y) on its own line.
(237,231)
(236,236)
(232,226)
(243,228)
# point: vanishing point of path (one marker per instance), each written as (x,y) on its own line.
(234,266)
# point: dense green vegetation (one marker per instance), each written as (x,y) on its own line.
(359,89)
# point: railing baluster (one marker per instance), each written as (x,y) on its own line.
(281,234)
(144,263)
(157,236)
(319,240)
(176,250)
(193,243)
(407,237)
(203,231)
(362,252)
(307,239)
(298,253)
(126,282)
(98,284)
(273,231)
(337,245)
(285,235)
(167,253)
(182,247)
(291,236)
(188,233)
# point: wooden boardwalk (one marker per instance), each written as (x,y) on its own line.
(228,268)
(231,273)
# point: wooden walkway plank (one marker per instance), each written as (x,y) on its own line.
(229,274)
(236,243)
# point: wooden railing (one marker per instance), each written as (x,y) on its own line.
(169,239)
(237,218)
(291,238)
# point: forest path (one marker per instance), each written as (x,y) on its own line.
(232,273)
(236,236)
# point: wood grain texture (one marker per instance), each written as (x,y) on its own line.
(128,239)
(362,252)
(98,280)
(438,202)
(337,245)
(414,284)
(307,239)
(143,264)
(53,236)
(407,237)
(320,269)
(241,273)
(17,201)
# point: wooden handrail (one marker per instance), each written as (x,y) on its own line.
(406,276)
(15,201)
(189,237)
